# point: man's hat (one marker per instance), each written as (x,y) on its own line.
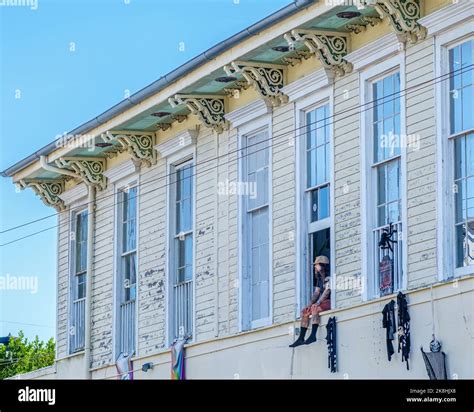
(321,259)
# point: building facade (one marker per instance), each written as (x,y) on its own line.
(197,207)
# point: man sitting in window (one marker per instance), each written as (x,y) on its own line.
(320,301)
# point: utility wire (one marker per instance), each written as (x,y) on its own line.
(384,100)
(449,74)
(427,82)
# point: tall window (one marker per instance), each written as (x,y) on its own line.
(182,249)
(386,166)
(316,193)
(256,235)
(462,136)
(127,287)
(78,282)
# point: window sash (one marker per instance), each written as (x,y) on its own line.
(464,200)
(461,88)
(256,229)
(80,244)
(181,248)
(386,117)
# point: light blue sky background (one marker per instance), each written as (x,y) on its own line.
(68,61)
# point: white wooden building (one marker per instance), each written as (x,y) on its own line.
(197,205)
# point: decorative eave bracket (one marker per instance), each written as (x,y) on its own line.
(403,16)
(210,109)
(140,145)
(90,169)
(266,79)
(328,46)
(364,23)
(163,126)
(48,190)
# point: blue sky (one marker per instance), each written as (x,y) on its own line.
(61,65)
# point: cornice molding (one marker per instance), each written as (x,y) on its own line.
(448,16)
(373,52)
(306,85)
(74,194)
(177,143)
(121,171)
(247,113)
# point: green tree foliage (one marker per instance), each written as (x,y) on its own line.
(21,355)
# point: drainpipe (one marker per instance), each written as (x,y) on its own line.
(90,261)
(44,165)
(90,266)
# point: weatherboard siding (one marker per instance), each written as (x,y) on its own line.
(421,169)
(102,298)
(151,304)
(283,210)
(347,193)
(62,286)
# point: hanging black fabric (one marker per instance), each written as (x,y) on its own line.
(403,328)
(388,322)
(331,339)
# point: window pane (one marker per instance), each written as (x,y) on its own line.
(81,242)
(461,87)
(324,202)
(470,198)
(393,176)
(129,271)
(311,168)
(321,165)
(470,154)
(184,258)
(80,286)
(257,172)
(381,184)
(460,201)
(310,130)
(467,107)
(313,205)
(386,126)
(259,272)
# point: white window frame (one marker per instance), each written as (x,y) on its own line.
(76,208)
(368,177)
(119,186)
(445,158)
(262,123)
(178,157)
(318,98)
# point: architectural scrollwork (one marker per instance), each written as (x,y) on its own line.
(267,80)
(403,16)
(209,109)
(48,190)
(90,169)
(331,48)
(140,145)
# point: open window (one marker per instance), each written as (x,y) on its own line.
(314,199)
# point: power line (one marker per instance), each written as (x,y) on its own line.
(231,160)
(427,82)
(384,100)
(27,324)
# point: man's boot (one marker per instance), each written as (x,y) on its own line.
(312,337)
(300,340)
